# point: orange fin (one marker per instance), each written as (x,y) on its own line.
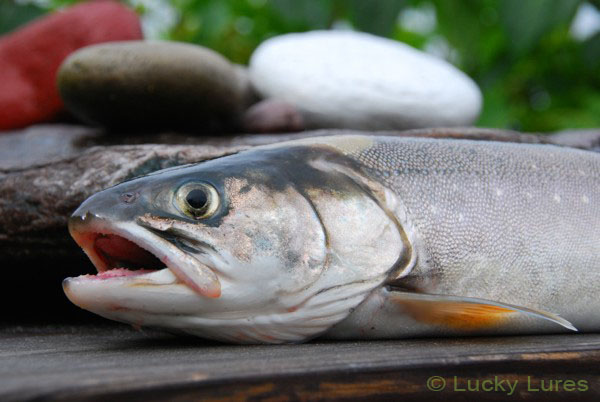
(465,313)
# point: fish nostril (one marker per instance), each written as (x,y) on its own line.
(129,198)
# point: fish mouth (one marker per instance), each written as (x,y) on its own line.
(128,251)
(117,257)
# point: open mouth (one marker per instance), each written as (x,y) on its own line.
(121,257)
(125,249)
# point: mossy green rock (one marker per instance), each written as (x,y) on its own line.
(156,85)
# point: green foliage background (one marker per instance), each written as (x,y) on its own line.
(534,75)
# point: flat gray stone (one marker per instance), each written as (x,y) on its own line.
(41,144)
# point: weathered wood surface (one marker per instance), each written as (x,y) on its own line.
(114,362)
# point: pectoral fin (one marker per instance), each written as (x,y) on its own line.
(465,313)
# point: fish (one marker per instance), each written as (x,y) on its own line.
(350,237)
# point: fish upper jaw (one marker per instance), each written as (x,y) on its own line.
(109,243)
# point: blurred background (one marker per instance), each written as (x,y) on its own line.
(537,62)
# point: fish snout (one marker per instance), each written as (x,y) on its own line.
(110,205)
(80,218)
(80,222)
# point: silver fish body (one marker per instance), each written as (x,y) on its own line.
(352,237)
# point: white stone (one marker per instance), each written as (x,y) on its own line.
(355,80)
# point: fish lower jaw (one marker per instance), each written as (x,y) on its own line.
(121,289)
(123,278)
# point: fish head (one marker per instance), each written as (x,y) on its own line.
(239,248)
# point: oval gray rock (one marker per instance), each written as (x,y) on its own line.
(153,85)
(345,79)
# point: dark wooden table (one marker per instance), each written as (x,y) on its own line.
(90,362)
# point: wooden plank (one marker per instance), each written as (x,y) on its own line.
(88,362)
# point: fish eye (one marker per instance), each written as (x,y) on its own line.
(197,200)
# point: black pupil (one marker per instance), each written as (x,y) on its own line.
(197,199)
